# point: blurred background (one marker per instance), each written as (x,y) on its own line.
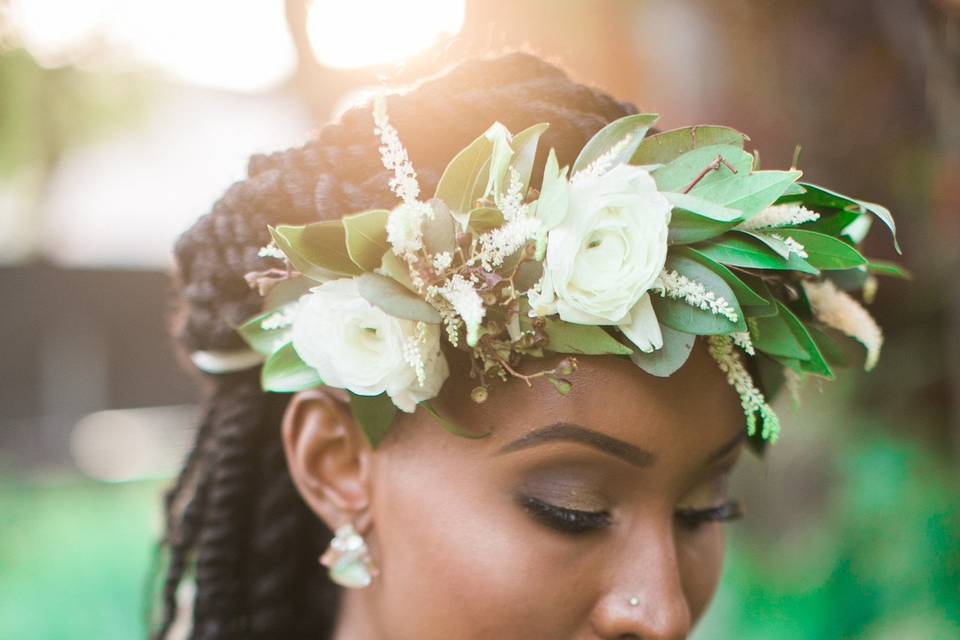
(121,121)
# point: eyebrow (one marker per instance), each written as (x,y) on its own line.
(569,432)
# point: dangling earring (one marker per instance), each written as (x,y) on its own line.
(348,559)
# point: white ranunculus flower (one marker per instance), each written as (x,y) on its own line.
(606,253)
(356,346)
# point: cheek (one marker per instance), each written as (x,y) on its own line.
(459,559)
(700,558)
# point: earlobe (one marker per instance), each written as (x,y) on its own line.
(327,456)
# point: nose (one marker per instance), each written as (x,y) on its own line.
(645,599)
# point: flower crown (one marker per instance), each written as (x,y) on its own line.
(645,243)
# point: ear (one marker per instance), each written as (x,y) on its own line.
(328,457)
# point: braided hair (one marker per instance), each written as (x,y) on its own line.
(234,521)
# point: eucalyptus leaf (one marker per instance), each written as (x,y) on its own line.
(634,127)
(394,267)
(586,339)
(667,146)
(395,299)
(366,237)
(316,250)
(740,250)
(500,156)
(485,219)
(687,318)
(287,291)
(440,231)
(525,146)
(677,175)
(670,357)
(744,293)
(449,425)
(826,252)
(374,414)
(552,203)
(263,341)
(465,179)
(285,372)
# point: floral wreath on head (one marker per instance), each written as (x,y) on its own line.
(644,244)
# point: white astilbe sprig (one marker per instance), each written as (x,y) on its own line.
(793,247)
(279,319)
(271,250)
(605,161)
(394,155)
(742,339)
(679,287)
(751,398)
(467,303)
(413,353)
(779,215)
(841,311)
(519,227)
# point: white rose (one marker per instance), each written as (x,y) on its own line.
(606,253)
(356,346)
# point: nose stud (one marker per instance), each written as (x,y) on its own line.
(634,601)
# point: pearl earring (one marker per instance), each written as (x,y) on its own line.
(634,601)
(348,559)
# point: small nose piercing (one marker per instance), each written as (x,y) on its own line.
(634,601)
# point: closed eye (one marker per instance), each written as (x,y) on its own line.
(571,521)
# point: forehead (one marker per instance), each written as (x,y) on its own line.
(687,414)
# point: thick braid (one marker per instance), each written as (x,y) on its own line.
(234,512)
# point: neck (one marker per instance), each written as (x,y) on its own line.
(356,619)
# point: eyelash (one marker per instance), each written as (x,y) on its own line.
(575,521)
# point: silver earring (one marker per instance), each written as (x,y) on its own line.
(348,559)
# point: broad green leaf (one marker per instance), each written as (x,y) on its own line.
(687,318)
(287,291)
(366,237)
(750,193)
(285,372)
(449,425)
(773,335)
(440,231)
(316,250)
(395,299)
(587,339)
(687,228)
(831,224)
(816,196)
(374,414)
(849,279)
(814,363)
(826,252)
(485,219)
(779,245)
(465,178)
(680,173)
(891,269)
(832,352)
(667,146)
(671,356)
(263,341)
(551,207)
(633,127)
(745,294)
(701,207)
(740,250)
(525,152)
(395,268)
(500,156)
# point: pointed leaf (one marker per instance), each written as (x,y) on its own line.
(440,231)
(670,357)
(263,341)
(687,318)
(285,372)
(374,414)
(316,250)
(825,252)
(525,152)
(750,193)
(567,337)
(395,299)
(680,173)
(740,250)
(891,269)
(366,237)
(449,425)
(688,228)
(701,207)
(465,179)
(667,146)
(632,127)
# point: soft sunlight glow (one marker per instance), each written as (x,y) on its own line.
(359,33)
(241,46)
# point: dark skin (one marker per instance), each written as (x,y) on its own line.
(471,537)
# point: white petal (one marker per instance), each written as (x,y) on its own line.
(643,328)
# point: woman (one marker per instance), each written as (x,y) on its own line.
(589,513)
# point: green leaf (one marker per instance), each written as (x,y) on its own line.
(316,250)
(702,207)
(750,193)
(887,268)
(744,293)
(684,317)
(562,385)
(831,224)
(465,179)
(740,250)
(667,146)
(633,126)
(814,362)
(779,245)
(263,341)
(440,231)
(773,335)
(449,425)
(688,228)
(671,356)
(287,291)
(831,350)
(826,252)
(285,372)
(551,207)
(816,196)
(374,414)
(525,152)
(587,339)
(395,299)
(680,173)
(485,219)
(500,157)
(366,237)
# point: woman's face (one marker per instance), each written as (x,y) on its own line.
(573,508)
